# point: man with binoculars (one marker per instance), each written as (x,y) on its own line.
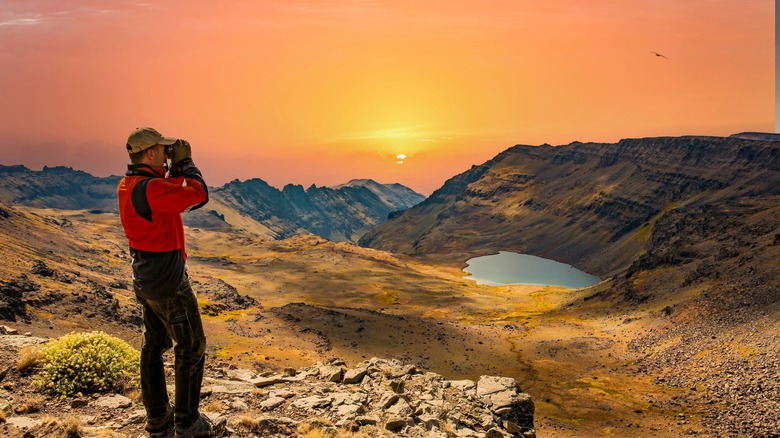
(150,205)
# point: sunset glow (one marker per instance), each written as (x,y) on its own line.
(323,92)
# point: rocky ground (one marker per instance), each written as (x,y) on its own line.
(374,398)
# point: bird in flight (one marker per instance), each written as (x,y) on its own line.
(658,54)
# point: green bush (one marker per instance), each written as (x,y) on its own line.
(87,362)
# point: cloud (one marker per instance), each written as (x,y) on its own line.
(21,21)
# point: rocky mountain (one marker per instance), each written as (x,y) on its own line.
(592,205)
(392,194)
(57,187)
(342,213)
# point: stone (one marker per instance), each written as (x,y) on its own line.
(114,401)
(430,422)
(136,417)
(79,403)
(238,404)
(463,385)
(272,403)
(397,386)
(348,411)
(22,422)
(395,424)
(262,382)
(401,409)
(311,403)
(355,375)
(366,421)
(388,399)
(497,433)
(492,384)
(283,393)
(332,374)
(399,371)
(241,374)
(5,330)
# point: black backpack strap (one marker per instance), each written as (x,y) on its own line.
(140,201)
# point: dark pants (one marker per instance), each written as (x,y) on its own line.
(174,318)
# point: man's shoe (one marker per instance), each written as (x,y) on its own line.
(203,427)
(161,427)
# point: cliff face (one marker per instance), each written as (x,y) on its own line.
(592,205)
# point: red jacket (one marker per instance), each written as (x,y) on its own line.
(150,208)
(167,199)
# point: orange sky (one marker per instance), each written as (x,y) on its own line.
(322,92)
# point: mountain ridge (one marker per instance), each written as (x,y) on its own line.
(574,203)
(342,213)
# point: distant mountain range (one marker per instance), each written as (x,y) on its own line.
(341,213)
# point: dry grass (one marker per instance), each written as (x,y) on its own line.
(248,424)
(323,428)
(215,406)
(29,358)
(72,427)
(133,394)
(32,404)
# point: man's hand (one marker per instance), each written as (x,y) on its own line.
(181,150)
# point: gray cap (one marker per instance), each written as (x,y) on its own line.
(143,138)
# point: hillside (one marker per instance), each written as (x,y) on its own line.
(271,305)
(685,230)
(590,205)
(342,213)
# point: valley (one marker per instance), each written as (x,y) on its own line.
(678,339)
(316,300)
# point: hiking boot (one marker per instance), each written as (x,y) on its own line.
(203,427)
(161,427)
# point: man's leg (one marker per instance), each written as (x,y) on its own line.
(187,330)
(155,341)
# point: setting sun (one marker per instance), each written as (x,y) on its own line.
(309,92)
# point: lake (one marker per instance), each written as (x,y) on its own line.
(513,268)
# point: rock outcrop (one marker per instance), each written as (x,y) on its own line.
(378,397)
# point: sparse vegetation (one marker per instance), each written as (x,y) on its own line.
(51,426)
(214,406)
(29,358)
(30,405)
(248,424)
(87,362)
(72,426)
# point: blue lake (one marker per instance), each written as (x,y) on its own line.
(513,268)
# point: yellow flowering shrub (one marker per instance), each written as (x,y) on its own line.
(87,362)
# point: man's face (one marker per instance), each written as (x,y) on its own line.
(156,156)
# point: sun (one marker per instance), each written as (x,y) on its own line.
(401,158)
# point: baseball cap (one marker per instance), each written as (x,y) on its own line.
(144,138)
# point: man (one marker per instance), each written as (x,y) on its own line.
(150,207)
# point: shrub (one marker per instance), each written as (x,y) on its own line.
(87,362)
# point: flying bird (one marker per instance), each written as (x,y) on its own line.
(658,54)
